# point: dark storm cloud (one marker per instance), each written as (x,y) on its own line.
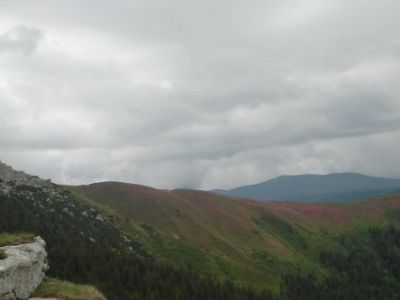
(199,93)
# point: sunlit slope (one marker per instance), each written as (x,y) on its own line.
(247,241)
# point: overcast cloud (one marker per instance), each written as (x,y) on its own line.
(201,94)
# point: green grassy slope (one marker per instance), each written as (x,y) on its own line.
(9,239)
(249,242)
(63,290)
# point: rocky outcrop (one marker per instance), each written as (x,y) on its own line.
(10,178)
(22,270)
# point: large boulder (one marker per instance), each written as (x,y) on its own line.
(22,270)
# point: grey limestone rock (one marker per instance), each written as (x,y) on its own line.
(10,177)
(22,270)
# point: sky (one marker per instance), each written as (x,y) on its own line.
(199,94)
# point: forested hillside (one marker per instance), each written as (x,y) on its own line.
(366,266)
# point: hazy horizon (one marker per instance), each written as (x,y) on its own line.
(215,189)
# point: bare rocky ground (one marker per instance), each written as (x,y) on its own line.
(10,177)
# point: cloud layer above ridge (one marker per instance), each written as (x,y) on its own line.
(203,94)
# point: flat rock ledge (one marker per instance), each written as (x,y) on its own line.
(22,270)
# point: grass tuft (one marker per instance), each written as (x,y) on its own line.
(62,290)
(10,239)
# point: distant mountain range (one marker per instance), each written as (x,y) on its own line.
(339,187)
